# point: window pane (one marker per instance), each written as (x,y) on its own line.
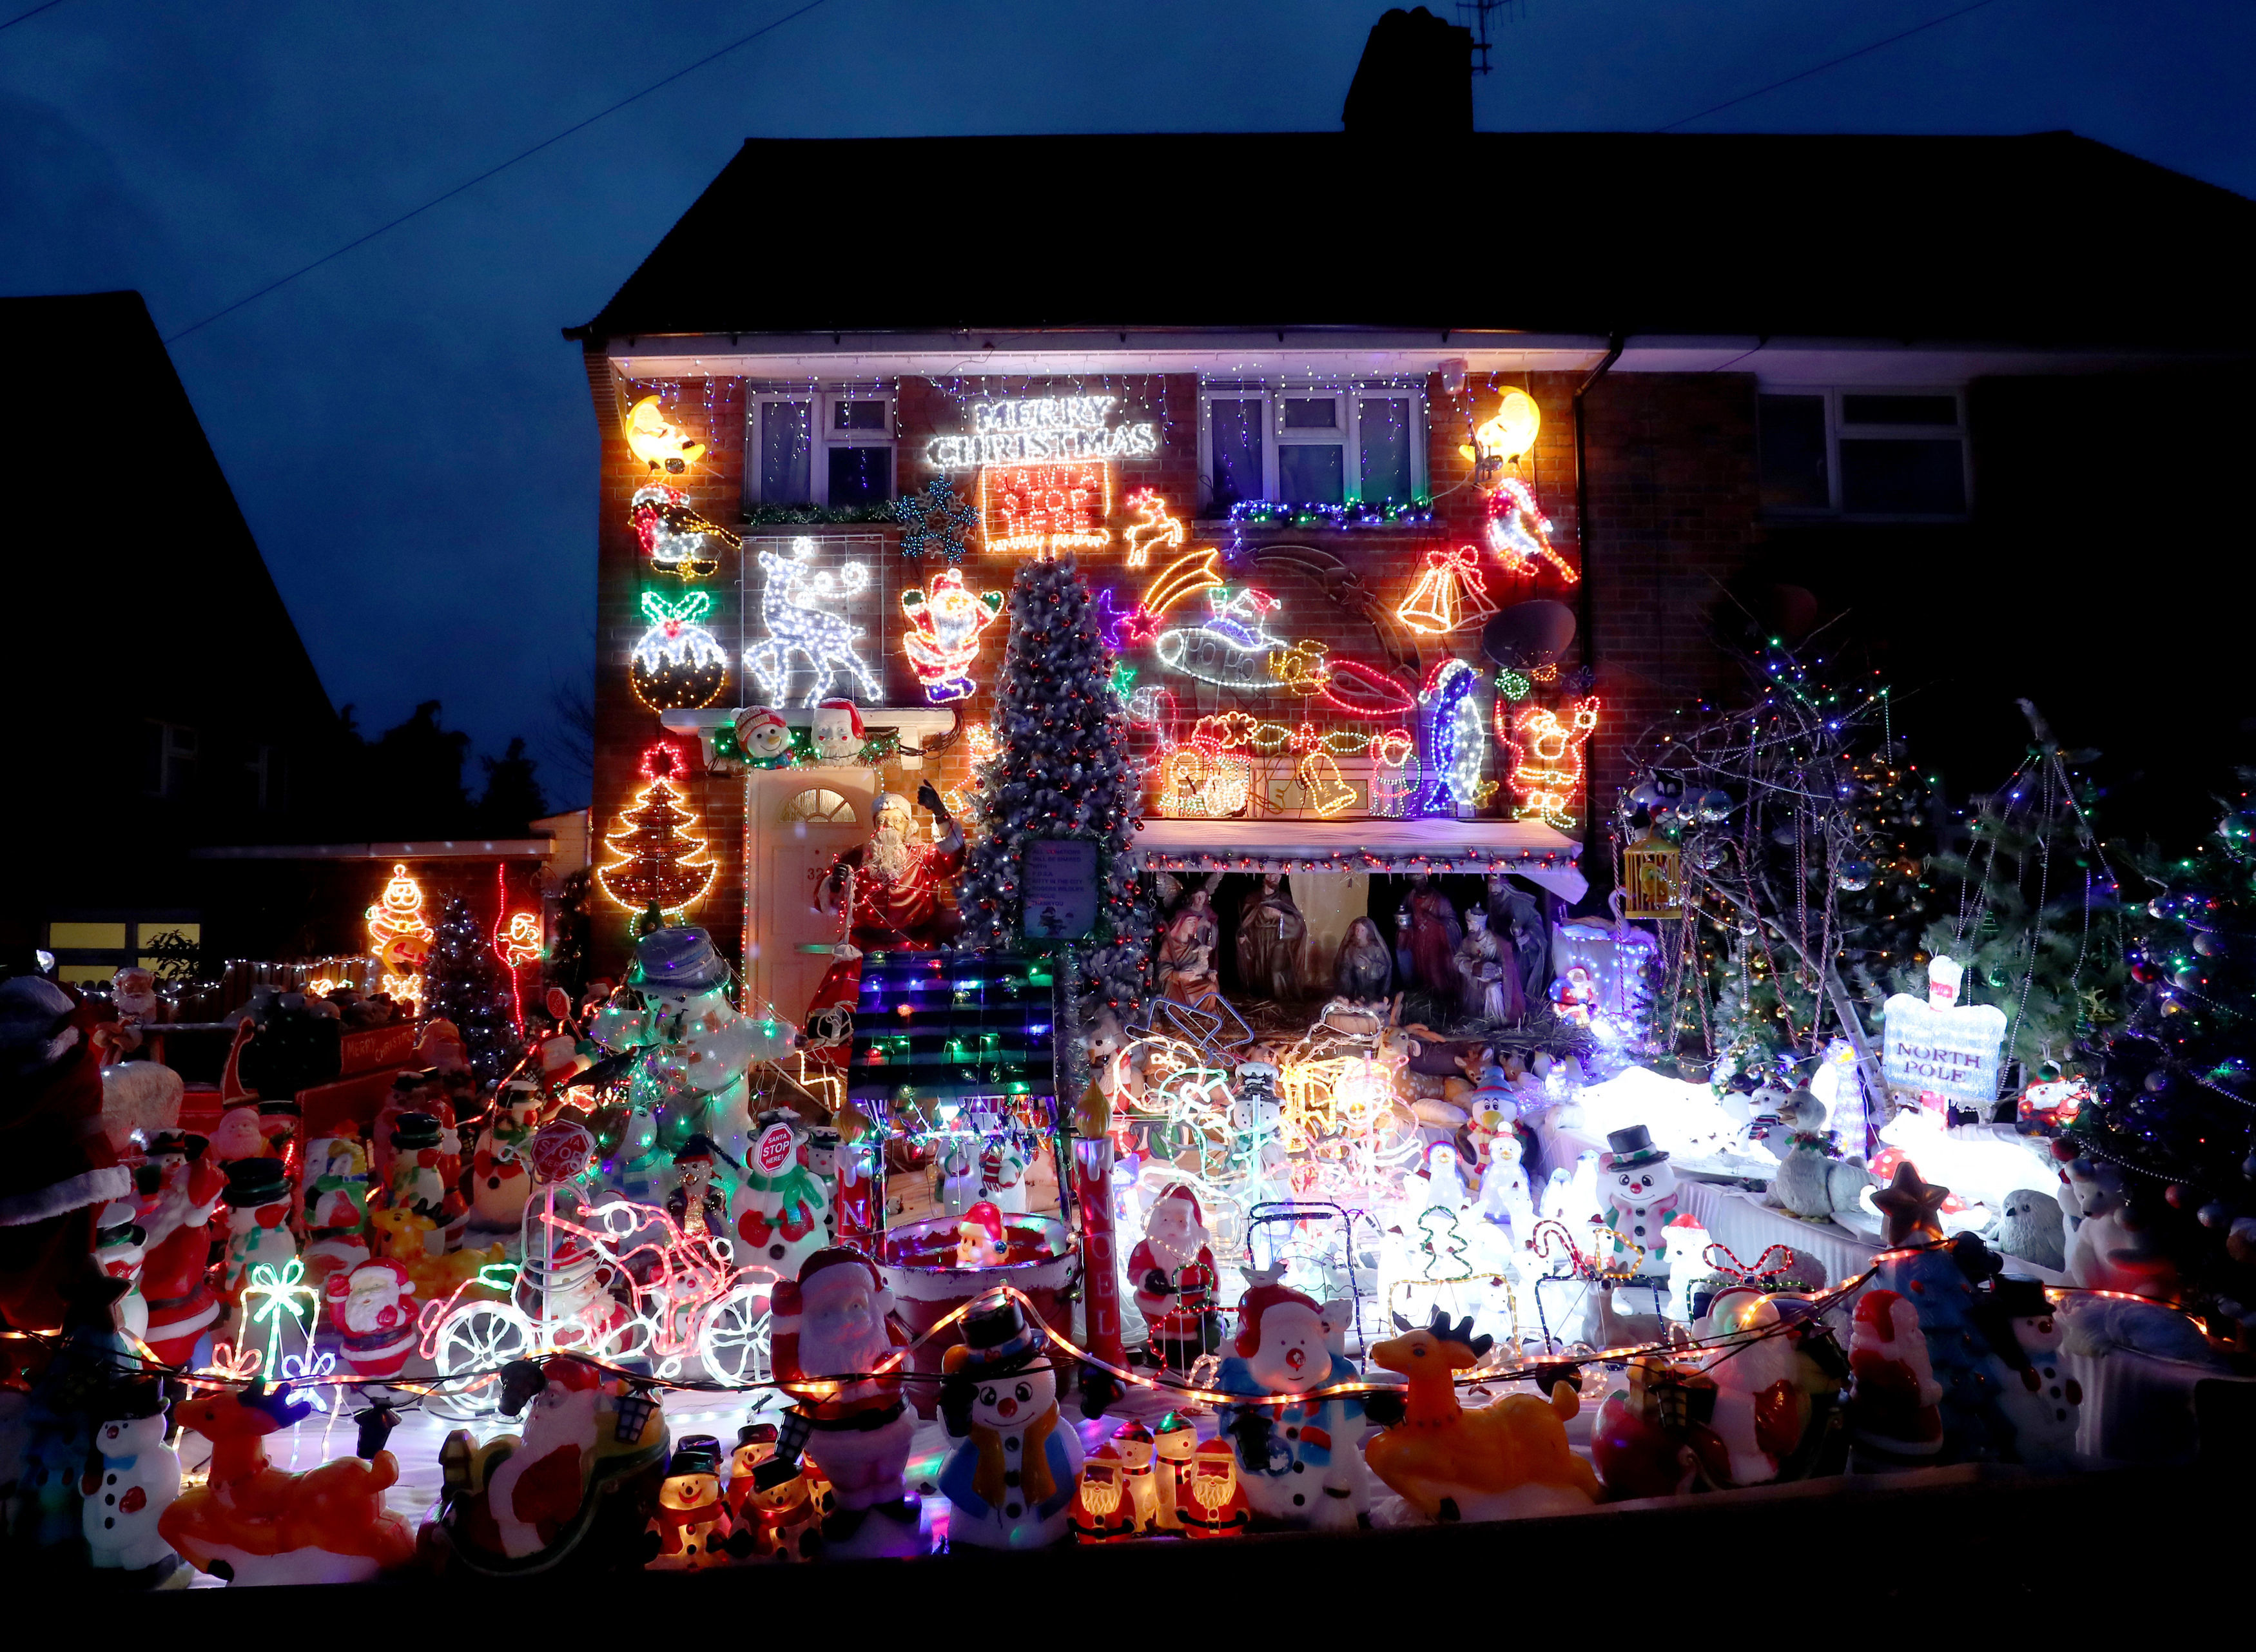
(89,937)
(1792,429)
(861,476)
(1237,432)
(1900,410)
(1318,413)
(858,415)
(784,471)
(1906,478)
(1383,449)
(1308,473)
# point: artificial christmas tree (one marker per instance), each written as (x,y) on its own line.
(661,863)
(2174,1083)
(462,984)
(1061,770)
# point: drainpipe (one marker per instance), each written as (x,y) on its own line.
(1592,836)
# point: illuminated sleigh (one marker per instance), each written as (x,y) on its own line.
(619,1282)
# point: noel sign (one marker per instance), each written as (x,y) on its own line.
(1943,1047)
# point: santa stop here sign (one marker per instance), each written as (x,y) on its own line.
(773,1150)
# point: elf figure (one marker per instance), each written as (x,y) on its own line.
(695,1205)
(1892,1401)
(1013,1479)
(1297,1461)
(1175,1279)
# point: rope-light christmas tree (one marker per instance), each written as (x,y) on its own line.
(2173,1112)
(1061,770)
(661,867)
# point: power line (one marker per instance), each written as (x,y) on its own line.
(361,241)
(25,16)
(1917,28)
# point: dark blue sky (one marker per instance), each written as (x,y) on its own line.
(412,441)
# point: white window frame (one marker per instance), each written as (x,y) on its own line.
(178,750)
(1347,395)
(822,402)
(1837,429)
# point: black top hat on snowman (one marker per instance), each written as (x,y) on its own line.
(997,1341)
(1633,1147)
(251,1182)
(413,1132)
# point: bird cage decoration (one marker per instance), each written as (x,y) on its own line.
(1652,873)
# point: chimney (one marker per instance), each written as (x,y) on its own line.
(1416,77)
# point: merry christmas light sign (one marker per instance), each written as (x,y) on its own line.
(1044,430)
(1945,1050)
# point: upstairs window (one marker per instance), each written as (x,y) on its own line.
(1311,444)
(1863,452)
(168,759)
(830,448)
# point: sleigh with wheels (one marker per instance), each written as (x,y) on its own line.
(619,1282)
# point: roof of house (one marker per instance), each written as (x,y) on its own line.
(2050,238)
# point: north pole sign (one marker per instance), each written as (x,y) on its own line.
(1952,1052)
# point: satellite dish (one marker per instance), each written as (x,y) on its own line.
(1529,634)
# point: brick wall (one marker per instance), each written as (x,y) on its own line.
(1672,494)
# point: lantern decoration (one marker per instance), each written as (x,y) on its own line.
(660,861)
(1547,758)
(1449,592)
(944,637)
(1653,875)
(658,442)
(678,665)
(398,934)
(1520,535)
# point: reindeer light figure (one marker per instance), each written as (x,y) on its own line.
(791,607)
(1154,527)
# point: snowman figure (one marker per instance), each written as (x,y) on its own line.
(119,1242)
(762,735)
(136,1482)
(1638,1186)
(1011,1482)
(1003,1175)
(258,1234)
(2040,1399)
(959,1179)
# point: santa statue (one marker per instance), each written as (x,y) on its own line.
(836,734)
(833,1321)
(896,885)
(1174,1273)
(534,1492)
(1893,1393)
(183,1187)
(1297,1462)
(371,1307)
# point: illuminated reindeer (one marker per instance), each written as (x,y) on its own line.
(789,599)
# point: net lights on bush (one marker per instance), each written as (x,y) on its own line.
(1547,758)
(677,664)
(1457,739)
(792,595)
(942,640)
(1520,535)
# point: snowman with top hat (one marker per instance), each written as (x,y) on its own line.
(1011,1481)
(132,1481)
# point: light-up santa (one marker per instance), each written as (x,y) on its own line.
(1173,1275)
(943,636)
(373,1308)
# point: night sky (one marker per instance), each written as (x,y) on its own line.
(412,441)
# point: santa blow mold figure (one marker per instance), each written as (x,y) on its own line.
(372,1308)
(183,1189)
(832,1322)
(837,733)
(1173,1272)
(980,1241)
(1297,1461)
(1012,1483)
(1892,1417)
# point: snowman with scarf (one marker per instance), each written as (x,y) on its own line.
(1011,1482)
(1297,1461)
(127,1492)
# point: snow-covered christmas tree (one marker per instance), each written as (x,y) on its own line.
(1061,770)
(463,985)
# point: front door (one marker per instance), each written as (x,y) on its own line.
(796,822)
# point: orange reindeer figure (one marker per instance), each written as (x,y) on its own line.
(1154,528)
(253,1523)
(1507,1459)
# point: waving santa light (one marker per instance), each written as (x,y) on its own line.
(1547,758)
(943,640)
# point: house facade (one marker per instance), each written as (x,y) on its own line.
(1402,543)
